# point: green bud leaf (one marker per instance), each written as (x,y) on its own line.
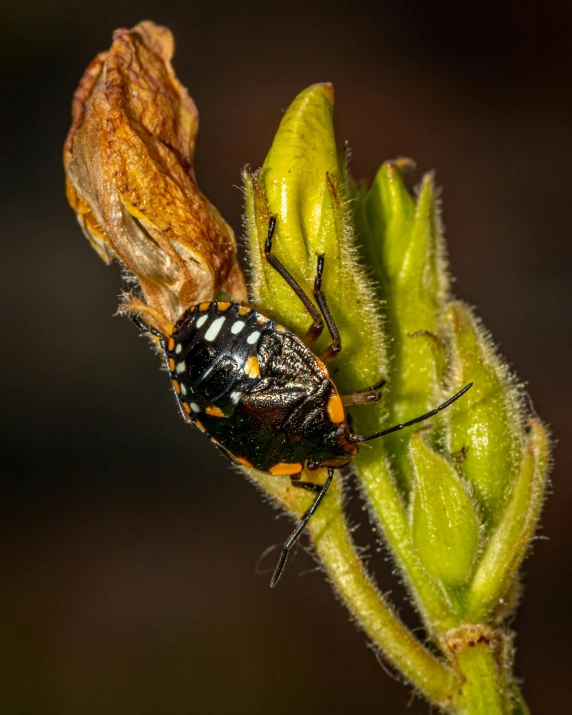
(444,522)
(508,543)
(485,427)
(303,185)
(402,240)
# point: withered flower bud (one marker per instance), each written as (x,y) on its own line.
(129,174)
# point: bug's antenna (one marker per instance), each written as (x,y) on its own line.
(426,416)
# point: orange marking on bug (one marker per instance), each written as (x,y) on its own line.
(177,387)
(251,367)
(171,365)
(322,367)
(244,462)
(186,408)
(204,306)
(214,412)
(171,344)
(243,310)
(285,469)
(336,409)
(200,425)
(222,306)
(280,328)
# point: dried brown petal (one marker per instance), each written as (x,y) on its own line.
(79,107)
(130,180)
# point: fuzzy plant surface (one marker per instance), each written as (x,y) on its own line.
(457,500)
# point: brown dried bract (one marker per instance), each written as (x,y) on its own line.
(129,178)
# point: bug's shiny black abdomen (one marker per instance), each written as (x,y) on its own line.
(257,390)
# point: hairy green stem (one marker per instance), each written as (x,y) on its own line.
(334,546)
(481,691)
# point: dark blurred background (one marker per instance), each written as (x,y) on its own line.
(127,546)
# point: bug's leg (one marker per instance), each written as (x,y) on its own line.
(308,486)
(360,398)
(364,397)
(317,326)
(336,346)
(350,423)
(148,329)
(295,535)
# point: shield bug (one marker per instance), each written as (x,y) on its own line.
(261,394)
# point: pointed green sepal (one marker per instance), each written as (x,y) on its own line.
(385,214)
(485,427)
(509,541)
(444,522)
(402,239)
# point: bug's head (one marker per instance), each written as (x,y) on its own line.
(334,449)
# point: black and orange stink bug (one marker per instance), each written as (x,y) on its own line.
(261,394)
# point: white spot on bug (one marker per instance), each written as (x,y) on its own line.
(194,407)
(214,329)
(235,396)
(183,388)
(206,372)
(181,367)
(178,348)
(253,337)
(237,327)
(202,320)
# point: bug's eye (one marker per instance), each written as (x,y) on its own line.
(200,358)
(220,379)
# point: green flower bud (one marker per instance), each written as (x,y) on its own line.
(303,185)
(485,428)
(444,522)
(402,239)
